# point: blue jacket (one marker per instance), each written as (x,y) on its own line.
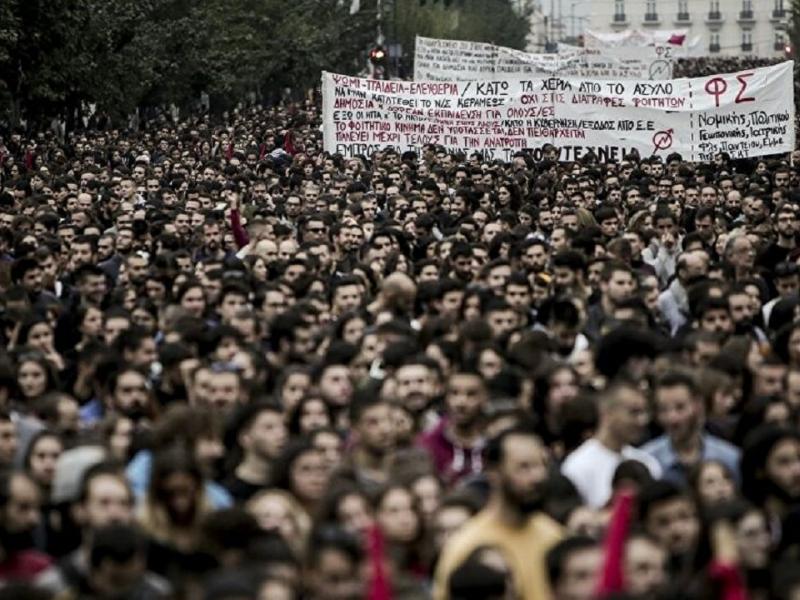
(138,473)
(714,448)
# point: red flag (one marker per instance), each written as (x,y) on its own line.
(379,588)
(676,40)
(611,578)
(288,143)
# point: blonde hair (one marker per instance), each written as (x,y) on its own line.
(301,522)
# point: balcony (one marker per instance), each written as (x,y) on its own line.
(651,19)
(683,19)
(779,14)
(747,47)
(779,46)
(713,48)
(746,16)
(620,20)
(714,18)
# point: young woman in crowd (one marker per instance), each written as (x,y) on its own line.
(600,359)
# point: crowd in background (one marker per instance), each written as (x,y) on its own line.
(238,367)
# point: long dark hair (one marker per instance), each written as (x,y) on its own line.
(26,354)
(168,462)
(282,468)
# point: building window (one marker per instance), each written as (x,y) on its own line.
(747,41)
(713,46)
(650,13)
(683,10)
(713,12)
(780,40)
(619,10)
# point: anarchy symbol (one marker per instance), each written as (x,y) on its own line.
(658,68)
(662,140)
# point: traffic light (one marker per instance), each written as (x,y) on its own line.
(788,50)
(377,56)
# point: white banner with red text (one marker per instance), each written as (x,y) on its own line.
(749,113)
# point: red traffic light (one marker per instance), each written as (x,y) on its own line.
(377,55)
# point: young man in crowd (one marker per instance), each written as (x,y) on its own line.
(378,333)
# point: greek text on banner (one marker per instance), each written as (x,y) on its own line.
(749,113)
(444,60)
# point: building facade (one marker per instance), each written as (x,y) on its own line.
(725,27)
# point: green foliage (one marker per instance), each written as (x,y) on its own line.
(58,55)
(501,22)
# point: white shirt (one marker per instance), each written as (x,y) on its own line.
(591,468)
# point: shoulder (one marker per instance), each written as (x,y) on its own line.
(656,446)
(646,459)
(433,436)
(218,496)
(721,447)
(37,562)
(581,458)
(547,527)
(470,536)
(587,448)
(474,529)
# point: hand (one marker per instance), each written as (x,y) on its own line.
(233,200)
(723,542)
(54,358)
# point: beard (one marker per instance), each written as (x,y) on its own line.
(16,541)
(526,502)
(417,403)
(743,327)
(135,412)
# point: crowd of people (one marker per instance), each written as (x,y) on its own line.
(239,367)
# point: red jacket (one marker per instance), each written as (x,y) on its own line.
(452,461)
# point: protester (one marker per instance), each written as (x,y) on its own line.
(237,364)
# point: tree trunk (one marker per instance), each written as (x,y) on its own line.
(16,112)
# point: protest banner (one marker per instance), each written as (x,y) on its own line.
(445,60)
(683,44)
(749,113)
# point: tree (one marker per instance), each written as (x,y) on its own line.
(501,22)
(794,26)
(266,45)
(57,56)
